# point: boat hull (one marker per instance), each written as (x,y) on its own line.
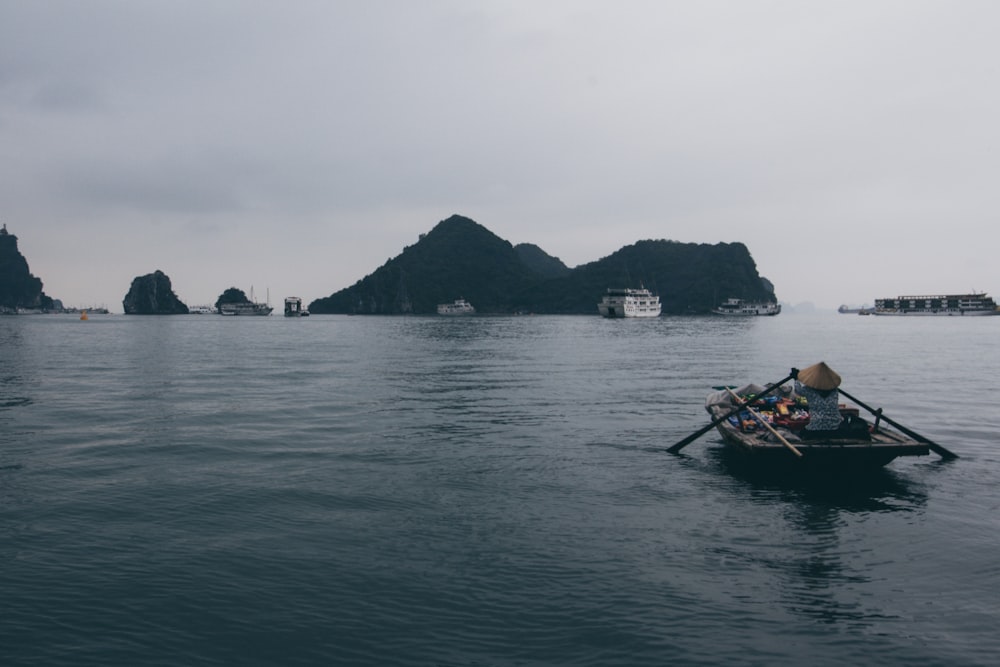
(730,313)
(621,312)
(820,454)
(934,313)
(245,309)
(740,308)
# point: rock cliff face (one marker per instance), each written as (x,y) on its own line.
(152,294)
(18,288)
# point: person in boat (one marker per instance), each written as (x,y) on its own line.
(818,384)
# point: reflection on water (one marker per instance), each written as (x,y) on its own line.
(820,561)
(16,370)
(863,490)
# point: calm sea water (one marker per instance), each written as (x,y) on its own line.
(198,490)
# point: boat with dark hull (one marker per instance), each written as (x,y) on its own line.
(293,307)
(248,307)
(848,310)
(769,432)
(243,309)
(741,308)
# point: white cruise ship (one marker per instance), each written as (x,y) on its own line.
(626,302)
(459,307)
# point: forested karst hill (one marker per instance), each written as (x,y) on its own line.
(540,262)
(460,258)
(457,259)
(688,277)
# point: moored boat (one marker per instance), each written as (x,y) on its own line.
(293,307)
(92,310)
(627,302)
(733,306)
(248,307)
(458,307)
(937,304)
(769,431)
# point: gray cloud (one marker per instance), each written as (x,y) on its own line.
(346,129)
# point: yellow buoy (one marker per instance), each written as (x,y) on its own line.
(83,315)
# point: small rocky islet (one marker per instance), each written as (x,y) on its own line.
(152,294)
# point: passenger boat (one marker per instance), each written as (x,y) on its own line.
(247,308)
(747,308)
(293,307)
(768,432)
(201,310)
(250,307)
(939,304)
(96,310)
(626,302)
(458,307)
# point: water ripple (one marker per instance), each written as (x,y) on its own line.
(488,491)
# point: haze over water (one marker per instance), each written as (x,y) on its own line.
(481,491)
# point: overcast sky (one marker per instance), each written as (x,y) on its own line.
(294,147)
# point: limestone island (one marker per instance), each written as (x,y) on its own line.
(152,294)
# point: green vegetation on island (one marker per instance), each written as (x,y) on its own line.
(230,296)
(460,258)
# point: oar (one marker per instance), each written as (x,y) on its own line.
(763,422)
(936,448)
(718,420)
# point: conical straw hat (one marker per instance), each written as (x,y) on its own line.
(819,376)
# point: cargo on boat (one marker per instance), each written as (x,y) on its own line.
(769,431)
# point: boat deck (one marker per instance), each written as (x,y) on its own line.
(763,445)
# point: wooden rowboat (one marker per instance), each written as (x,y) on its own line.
(766,433)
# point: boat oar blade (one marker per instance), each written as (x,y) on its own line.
(673,449)
(936,448)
